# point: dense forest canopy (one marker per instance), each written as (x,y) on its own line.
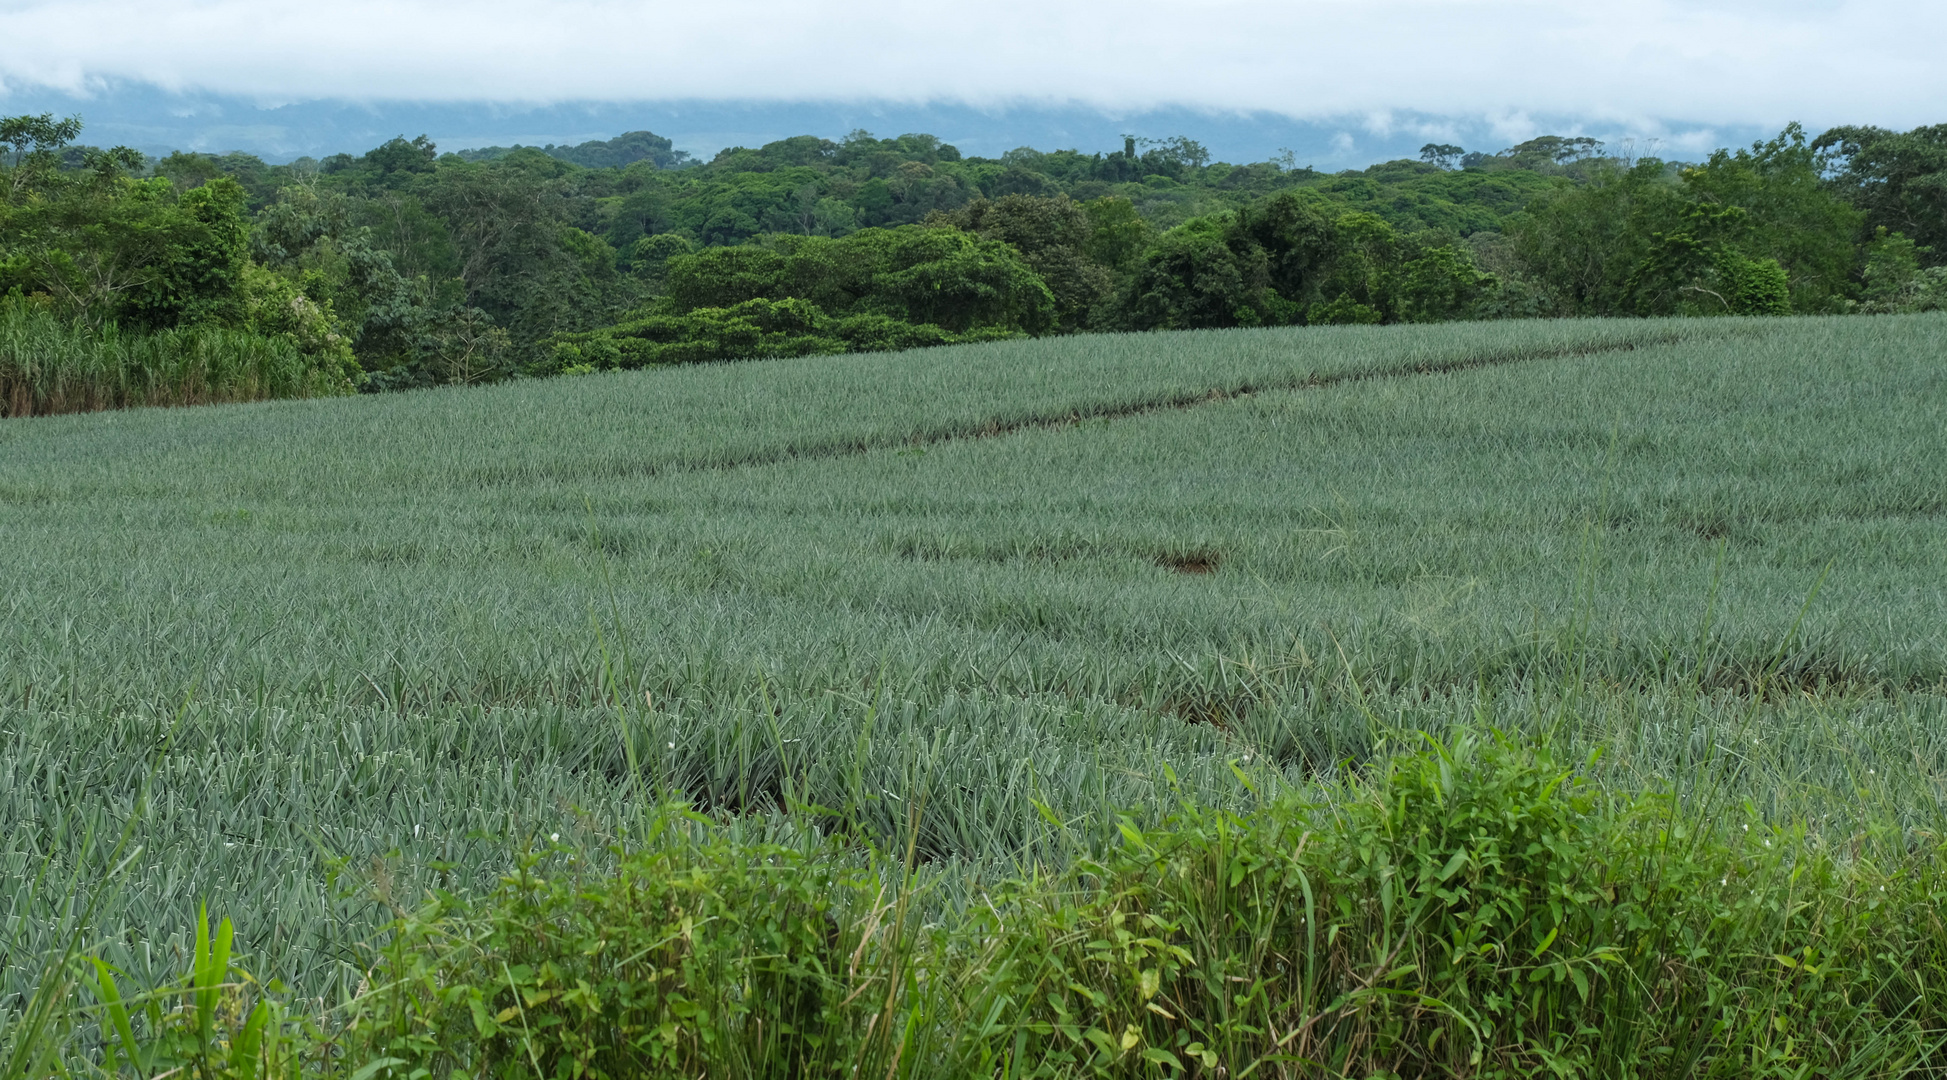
(404,266)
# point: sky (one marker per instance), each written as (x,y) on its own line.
(1339,82)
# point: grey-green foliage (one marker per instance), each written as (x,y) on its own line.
(408,624)
(1437,524)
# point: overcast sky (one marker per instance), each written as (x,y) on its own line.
(1616,65)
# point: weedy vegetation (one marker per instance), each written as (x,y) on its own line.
(50,365)
(1554,698)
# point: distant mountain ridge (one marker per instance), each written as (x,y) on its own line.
(158,120)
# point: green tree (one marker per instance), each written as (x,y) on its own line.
(1361,286)
(1118,234)
(463,346)
(1896,282)
(1438,282)
(33,145)
(518,258)
(1698,268)
(309,237)
(939,276)
(649,259)
(1898,180)
(721,208)
(624,150)
(1199,275)
(1581,244)
(190,170)
(1652,239)
(1754,286)
(1254,266)
(949,279)
(1053,235)
(1445,155)
(107,246)
(643,212)
(275,305)
(830,274)
(1300,243)
(199,275)
(1379,275)
(397,161)
(1791,216)
(1677,275)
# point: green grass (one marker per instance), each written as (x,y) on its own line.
(945,596)
(49,366)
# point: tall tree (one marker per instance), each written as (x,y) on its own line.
(1445,155)
(1053,235)
(1899,180)
(1790,216)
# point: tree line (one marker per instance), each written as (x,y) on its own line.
(406,267)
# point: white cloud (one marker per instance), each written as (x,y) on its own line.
(1514,127)
(1618,62)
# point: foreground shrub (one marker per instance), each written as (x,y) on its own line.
(713,958)
(1477,911)
(1473,910)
